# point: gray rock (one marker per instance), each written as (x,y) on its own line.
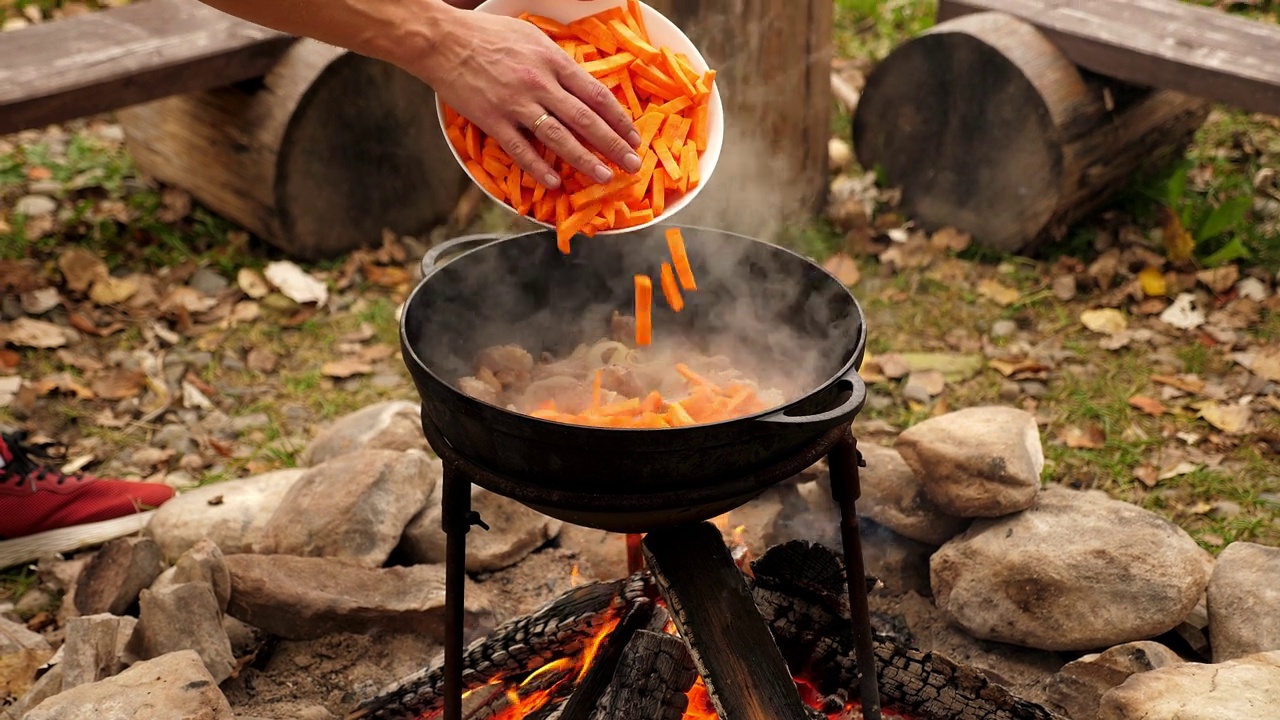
(300,598)
(244,423)
(175,437)
(231,514)
(96,648)
(33,205)
(1244,689)
(977,462)
(392,425)
(208,281)
(205,563)
(514,531)
(354,507)
(600,555)
(173,687)
(1078,688)
(901,563)
(1064,287)
(1020,579)
(112,580)
(1003,328)
(184,617)
(893,497)
(1244,601)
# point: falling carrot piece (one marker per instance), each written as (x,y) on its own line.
(680,259)
(644,310)
(670,289)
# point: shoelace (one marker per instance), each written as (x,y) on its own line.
(27,463)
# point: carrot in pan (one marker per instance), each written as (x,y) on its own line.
(670,289)
(679,259)
(644,310)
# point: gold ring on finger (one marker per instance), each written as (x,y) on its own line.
(538,123)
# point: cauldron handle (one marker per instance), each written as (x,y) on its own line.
(431,260)
(850,407)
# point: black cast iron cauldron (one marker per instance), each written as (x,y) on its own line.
(774,305)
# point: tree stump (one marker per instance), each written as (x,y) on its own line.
(317,158)
(773,64)
(987,127)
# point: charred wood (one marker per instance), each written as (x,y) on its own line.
(652,680)
(560,629)
(799,590)
(498,699)
(595,681)
(708,597)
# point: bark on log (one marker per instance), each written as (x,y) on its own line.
(651,682)
(773,63)
(317,158)
(800,592)
(988,127)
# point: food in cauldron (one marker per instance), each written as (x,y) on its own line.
(613,384)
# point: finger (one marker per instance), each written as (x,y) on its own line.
(524,155)
(588,125)
(556,136)
(596,96)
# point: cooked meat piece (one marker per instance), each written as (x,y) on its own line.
(621,380)
(478,389)
(506,358)
(622,328)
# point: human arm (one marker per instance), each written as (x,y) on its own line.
(501,73)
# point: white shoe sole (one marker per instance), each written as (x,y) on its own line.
(33,547)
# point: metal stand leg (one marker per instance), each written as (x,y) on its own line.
(456,519)
(843,463)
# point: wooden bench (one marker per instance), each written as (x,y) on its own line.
(115,58)
(1015,119)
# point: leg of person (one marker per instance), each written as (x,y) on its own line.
(44,510)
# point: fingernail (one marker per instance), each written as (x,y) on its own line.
(602,173)
(634,138)
(631,162)
(551,181)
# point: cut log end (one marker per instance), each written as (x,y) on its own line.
(986,126)
(318,158)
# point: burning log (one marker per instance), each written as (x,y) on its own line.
(652,682)
(712,606)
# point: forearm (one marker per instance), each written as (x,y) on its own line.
(390,30)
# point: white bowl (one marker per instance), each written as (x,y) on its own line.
(662,33)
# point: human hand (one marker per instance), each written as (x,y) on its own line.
(507,77)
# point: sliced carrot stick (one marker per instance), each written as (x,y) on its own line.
(597,193)
(675,106)
(644,178)
(670,289)
(627,38)
(658,191)
(648,125)
(652,402)
(700,128)
(458,139)
(676,72)
(644,309)
(606,65)
(657,77)
(556,29)
(629,93)
(492,166)
(636,12)
(486,180)
(680,259)
(669,164)
(572,225)
(474,148)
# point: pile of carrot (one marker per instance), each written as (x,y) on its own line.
(667,100)
(705,403)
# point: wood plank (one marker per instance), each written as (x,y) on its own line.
(1157,43)
(119,57)
(708,598)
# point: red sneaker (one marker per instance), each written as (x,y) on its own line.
(37,499)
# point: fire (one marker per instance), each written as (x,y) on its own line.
(593,647)
(529,696)
(575,577)
(700,706)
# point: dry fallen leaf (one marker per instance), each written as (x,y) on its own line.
(28,332)
(252,283)
(1107,321)
(391,276)
(1264,362)
(9,359)
(1000,294)
(1186,383)
(41,301)
(1089,437)
(261,360)
(1020,369)
(62,382)
(1147,475)
(1152,282)
(295,283)
(193,398)
(949,238)
(9,386)
(119,383)
(1184,313)
(376,353)
(1148,405)
(892,366)
(81,268)
(346,368)
(1219,279)
(1178,243)
(844,268)
(112,290)
(1230,419)
(1182,467)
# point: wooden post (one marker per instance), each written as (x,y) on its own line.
(986,126)
(317,158)
(773,63)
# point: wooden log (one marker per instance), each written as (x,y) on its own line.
(317,158)
(773,63)
(106,60)
(598,674)
(713,609)
(988,127)
(652,682)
